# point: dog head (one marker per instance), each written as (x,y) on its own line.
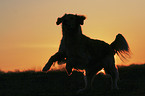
(71,21)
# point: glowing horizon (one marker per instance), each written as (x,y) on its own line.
(29,35)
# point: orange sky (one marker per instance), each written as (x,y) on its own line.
(29,36)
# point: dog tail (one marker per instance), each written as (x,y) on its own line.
(121,47)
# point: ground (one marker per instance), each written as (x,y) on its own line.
(30,83)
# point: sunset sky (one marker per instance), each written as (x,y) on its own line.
(29,34)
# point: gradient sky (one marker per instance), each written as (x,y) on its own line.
(29,35)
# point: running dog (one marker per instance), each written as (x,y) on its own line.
(81,52)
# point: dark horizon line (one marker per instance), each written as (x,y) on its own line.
(63,69)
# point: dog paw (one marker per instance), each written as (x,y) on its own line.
(115,88)
(81,91)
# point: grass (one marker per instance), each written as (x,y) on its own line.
(31,83)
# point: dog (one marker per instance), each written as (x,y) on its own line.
(81,52)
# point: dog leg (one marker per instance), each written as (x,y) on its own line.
(59,56)
(115,78)
(69,69)
(113,73)
(69,65)
(88,82)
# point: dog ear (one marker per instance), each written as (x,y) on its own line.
(81,19)
(59,20)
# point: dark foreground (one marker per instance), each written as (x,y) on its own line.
(131,83)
